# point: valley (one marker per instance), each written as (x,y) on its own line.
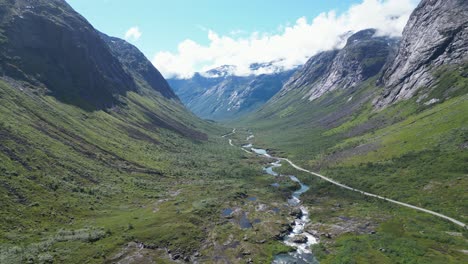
(358,155)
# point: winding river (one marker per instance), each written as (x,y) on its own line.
(303,253)
(298,238)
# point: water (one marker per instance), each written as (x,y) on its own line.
(303,254)
(269,169)
(261,152)
(244,222)
(227,212)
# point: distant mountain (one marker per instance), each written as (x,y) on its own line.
(221,71)
(220,95)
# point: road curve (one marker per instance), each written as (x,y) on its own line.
(459,223)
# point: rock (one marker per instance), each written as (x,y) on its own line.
(249,260)
(150,246)
(296,212)
(436,34)
(327,235)
(246,252)
(261,241)
(301,239)
(284,231)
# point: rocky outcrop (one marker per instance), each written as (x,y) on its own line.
(436,34)
(48,44)
(138,65)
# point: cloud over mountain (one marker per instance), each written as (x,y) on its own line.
(133,34)
(290,46)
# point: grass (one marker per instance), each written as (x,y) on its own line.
(78,186)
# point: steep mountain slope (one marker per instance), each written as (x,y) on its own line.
(42,41)
(351,124)
(100,161)
(140,68)
(435,35)
(222,96)
(363,57)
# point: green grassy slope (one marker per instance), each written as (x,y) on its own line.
(77,186)
(411,151)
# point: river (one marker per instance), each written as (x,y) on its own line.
(298,238)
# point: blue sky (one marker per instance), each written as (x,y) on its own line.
(233,32)
(164,24)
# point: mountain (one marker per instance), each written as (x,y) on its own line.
(435,35)
(221,71)
(388,117)
(99,159)
(362,57)
(100,162)
(219,95)
(138,66)
(44,51)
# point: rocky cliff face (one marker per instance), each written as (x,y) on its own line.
(48,44)
(315,68)
(436,34)
(135,62)
(363,57)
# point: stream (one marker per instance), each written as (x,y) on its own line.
(303,254)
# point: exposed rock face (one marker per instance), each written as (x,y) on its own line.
(363,57)
(138,65)
(312,71)
(227,96)
(436,34)
(46,43)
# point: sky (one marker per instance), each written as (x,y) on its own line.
(181,37)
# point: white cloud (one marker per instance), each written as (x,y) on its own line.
(291,46)
(133,33)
